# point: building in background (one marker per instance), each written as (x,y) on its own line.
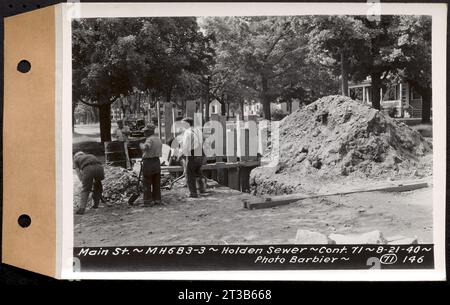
(215,107)
(400,99)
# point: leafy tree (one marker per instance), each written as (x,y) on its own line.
(172,49)
(414,54)
(378,55)
(103,64)
(332,42)
(257,52)
(114,56)
(354,47)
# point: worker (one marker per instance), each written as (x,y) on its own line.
(122,132)
(151,171)
(90,172)
(191,149)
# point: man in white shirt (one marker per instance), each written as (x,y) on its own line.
(192,149)
(121,134)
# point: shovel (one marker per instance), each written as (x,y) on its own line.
(135,196)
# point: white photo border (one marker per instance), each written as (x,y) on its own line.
(67,12)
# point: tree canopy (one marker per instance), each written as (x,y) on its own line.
(116,55)
(237,59)
(259,52)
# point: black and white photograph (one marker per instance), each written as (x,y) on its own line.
(254,135)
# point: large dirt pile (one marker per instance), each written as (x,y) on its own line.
(338,141)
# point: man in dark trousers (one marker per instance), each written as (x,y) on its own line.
(191,148)
(122,133)
(90,172)
(151,171)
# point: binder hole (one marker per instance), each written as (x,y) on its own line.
(24,220)
(24,66)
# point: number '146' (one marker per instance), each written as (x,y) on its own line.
(413,259)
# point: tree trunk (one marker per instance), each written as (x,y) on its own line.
(223,109)
(168,96)
(105,122)
(426,105)
(207,107)
(376,86)
(344,74)
(265,99)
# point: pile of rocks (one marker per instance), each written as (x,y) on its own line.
(119,184)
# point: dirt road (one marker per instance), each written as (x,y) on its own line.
(220,218)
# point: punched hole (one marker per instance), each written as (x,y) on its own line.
(24,221)
(24,66)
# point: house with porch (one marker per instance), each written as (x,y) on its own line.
(399,96)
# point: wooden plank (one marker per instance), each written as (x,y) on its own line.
(220,172)
(231,145)
(222,177)
(191,107)
(168,121)
(214,166)
(243,143)
(268,202)
(252,140)
(233,178)
(198,121)
(214,173)
(253,163)
(262,137)
(244,177)
(223,135)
